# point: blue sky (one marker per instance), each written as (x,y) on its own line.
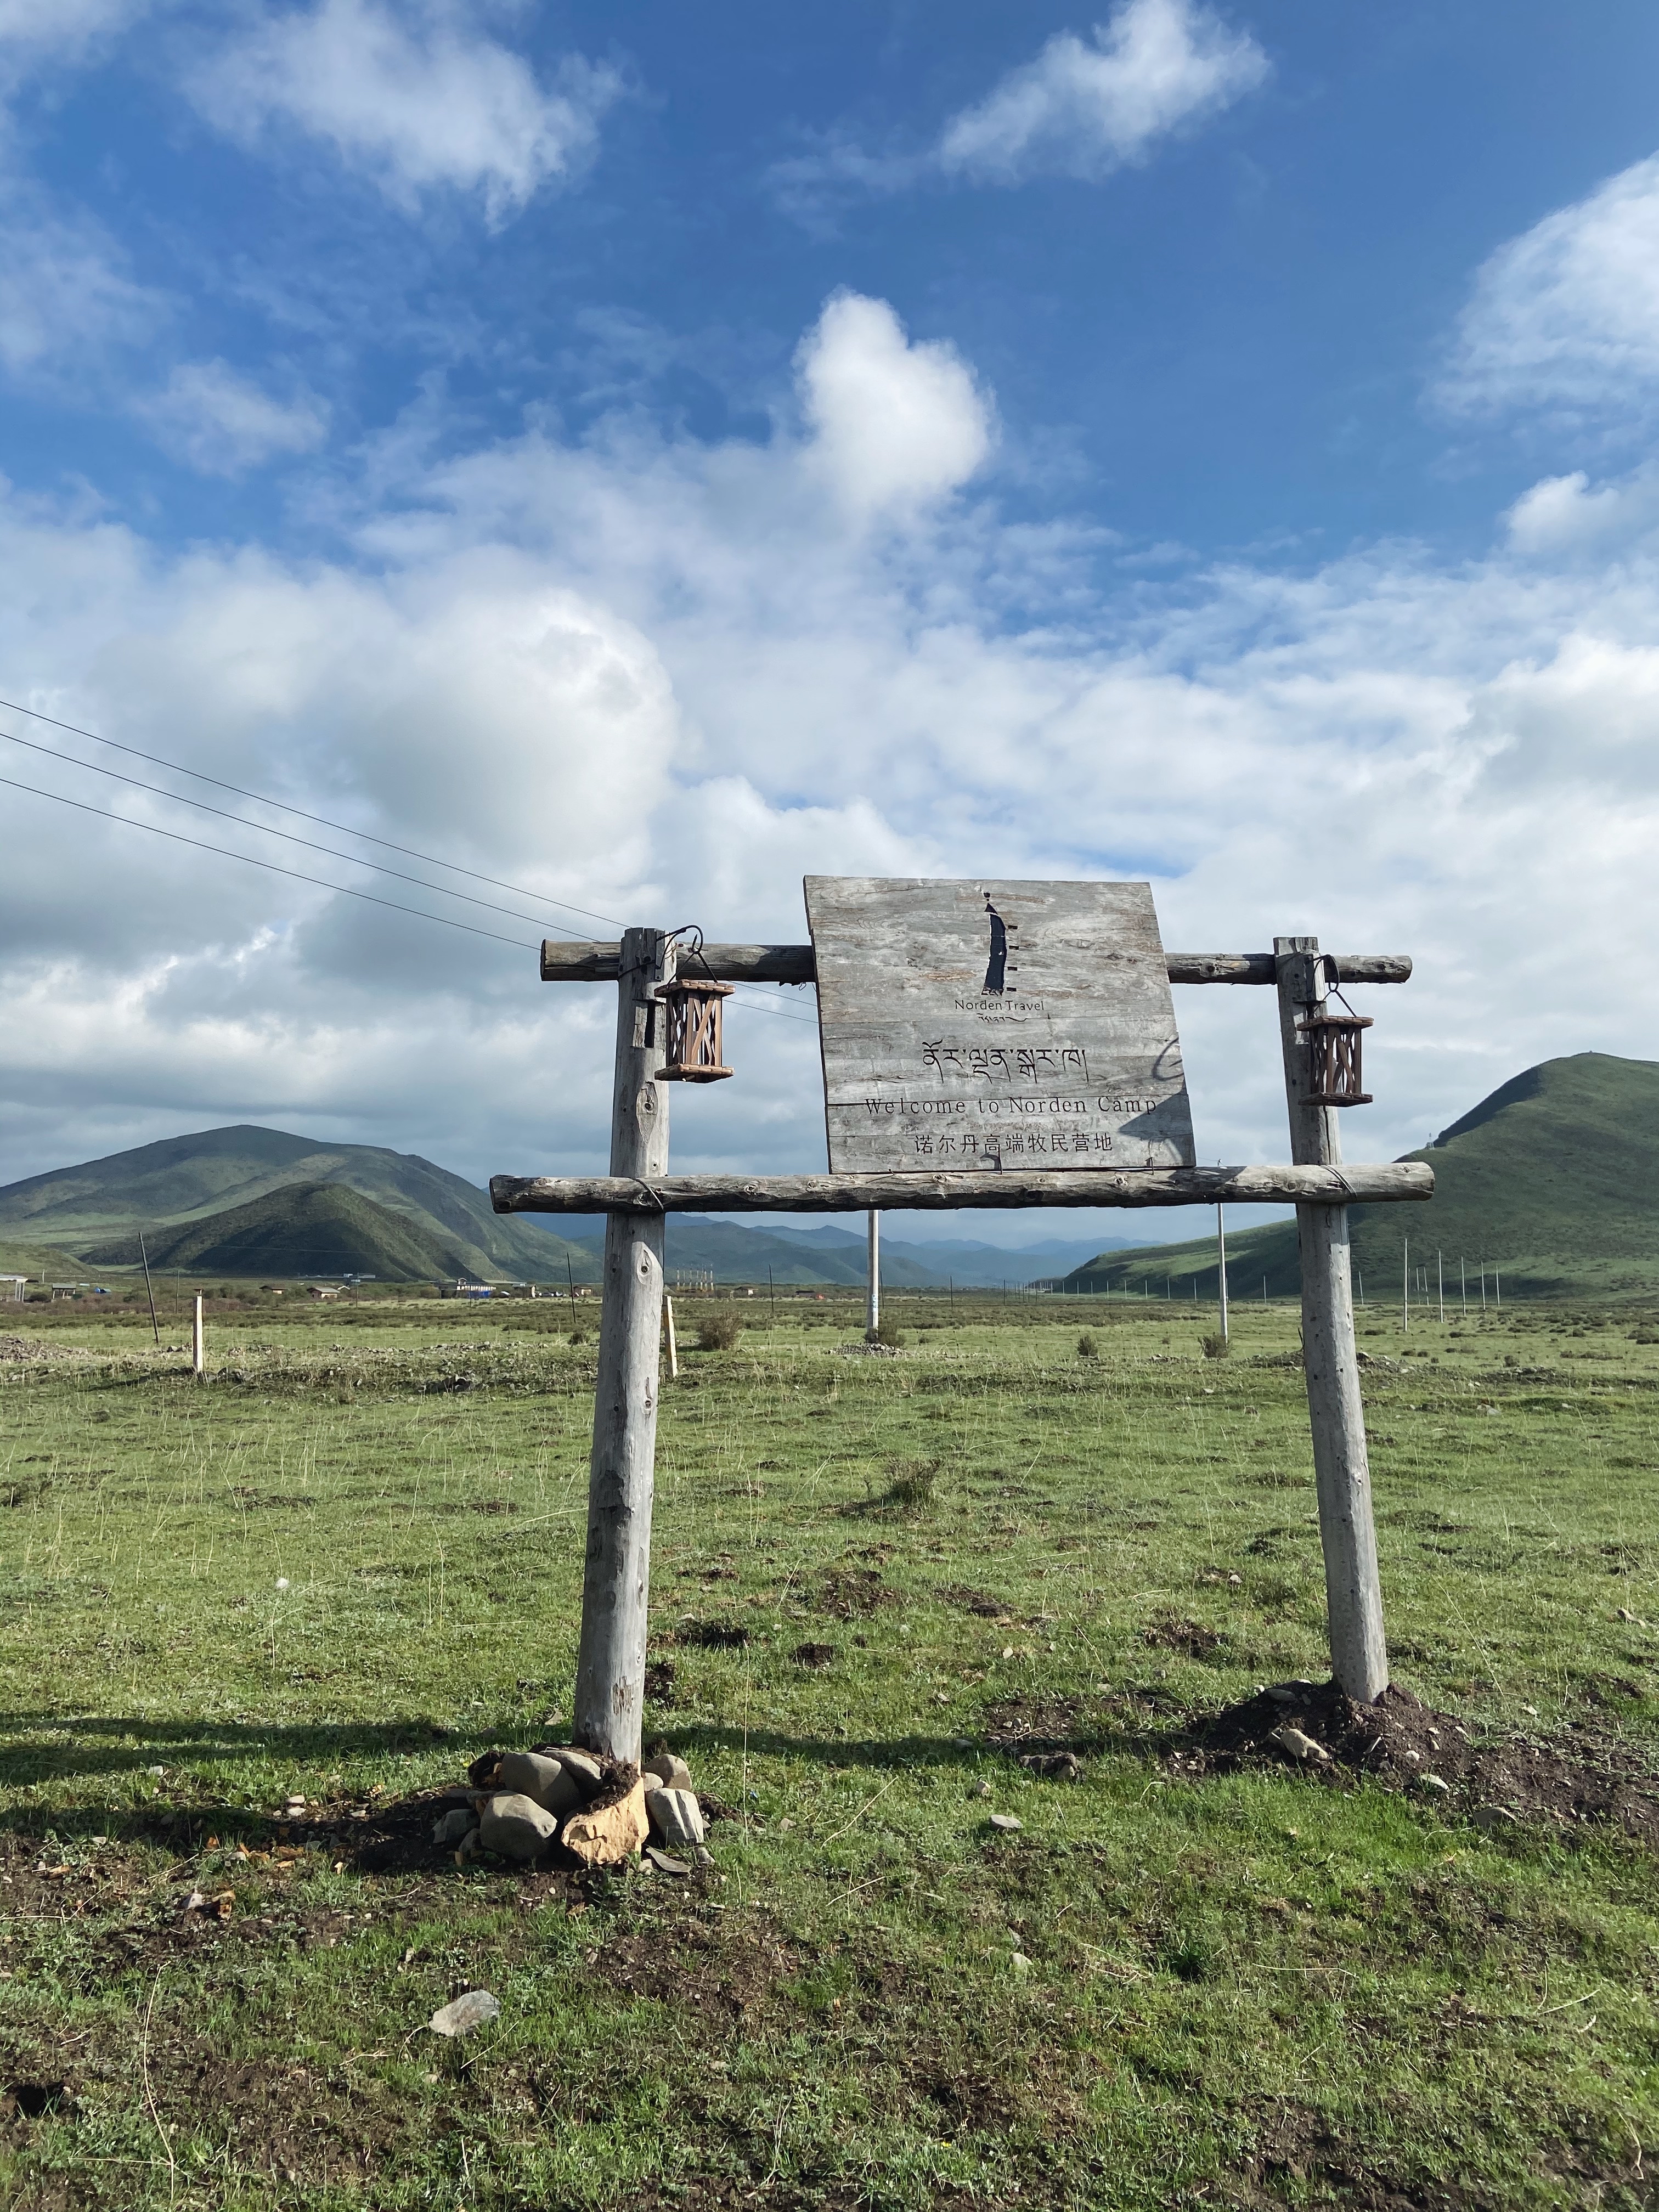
(645,456)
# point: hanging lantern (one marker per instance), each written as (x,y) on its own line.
(693,1045)
(1334,1078)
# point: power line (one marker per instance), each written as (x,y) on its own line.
(282,807)
(224,814)
(345,829)
(224,851)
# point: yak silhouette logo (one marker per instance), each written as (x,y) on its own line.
(999,967)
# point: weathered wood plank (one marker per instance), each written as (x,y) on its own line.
(995,1025)
(1347,1536)
(617,1571)
(1320,1187)
(564,962)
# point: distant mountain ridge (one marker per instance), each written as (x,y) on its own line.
(227,1201)
(179,1180)
(323,1228)
(1552,1180)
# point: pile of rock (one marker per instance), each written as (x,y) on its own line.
(521,1804)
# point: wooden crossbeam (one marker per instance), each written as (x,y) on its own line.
(824,1194)
(564,962)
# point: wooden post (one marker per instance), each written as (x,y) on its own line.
(617,1573)
(873,1305)
(198,1342)
(1353,1595)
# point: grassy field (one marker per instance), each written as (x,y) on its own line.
(350,1560)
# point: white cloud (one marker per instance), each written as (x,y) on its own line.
(896,425)
(1084,108)
(64,297)
(1567,315)
(34,31)
(415,95)
(1558,512)
(222,424)
(658,679)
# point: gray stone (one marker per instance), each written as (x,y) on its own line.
(1494,1816)
(1432,1782)
(516,1827)
(533,1774)
(1009,1823)
(448,1831)
(675,1816)
(465,2013)
(581,1766)
(703,1855)
(665,1863)
(669,1768)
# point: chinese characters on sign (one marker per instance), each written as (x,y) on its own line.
(970,1024)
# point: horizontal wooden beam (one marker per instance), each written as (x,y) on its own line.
(564,962)
(824,1194)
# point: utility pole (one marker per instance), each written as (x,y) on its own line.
(155,1325)
(872,1291)
(1221,1265)
(1406,1289)
(1440,1269)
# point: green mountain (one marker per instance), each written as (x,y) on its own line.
(1552,1180)
(185,1180)
(303,1229)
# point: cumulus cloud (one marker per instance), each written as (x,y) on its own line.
(1559,512)
(896,425)
(1566,316)
(222,424)
(639,674)
(415,96)
(1083,108)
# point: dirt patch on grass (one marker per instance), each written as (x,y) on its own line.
(814,1654)
(1190,1637)
(976,1602)
(710,1635)
(719,1968)
(1405,1745)
(852,1593)
(1036,1727)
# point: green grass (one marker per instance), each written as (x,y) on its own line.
(1251,1991)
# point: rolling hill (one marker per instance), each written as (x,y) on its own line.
(62,1223)
(303,1229)
(103,1203)
(1553,1179)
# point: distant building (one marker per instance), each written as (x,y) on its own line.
(14,1289)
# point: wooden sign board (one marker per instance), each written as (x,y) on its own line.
(995,1026)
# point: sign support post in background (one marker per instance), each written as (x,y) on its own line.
(872,1302)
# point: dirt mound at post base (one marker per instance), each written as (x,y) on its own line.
(1403,1744)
